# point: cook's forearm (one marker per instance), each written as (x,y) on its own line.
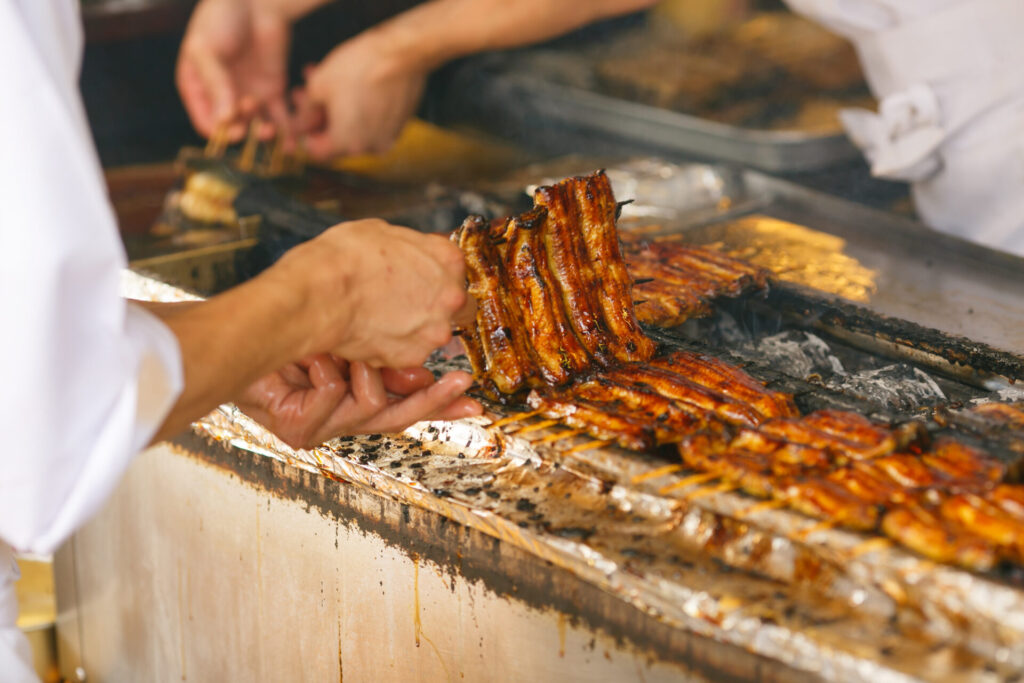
(230,341)
(435,32)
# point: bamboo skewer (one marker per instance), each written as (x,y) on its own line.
(536,427)
(804,534)
(587,447)
(275,164)
(518,417)
(558,436)
(247,159)
(655,473)
(871,545)
(218,142)
(297,161)
(702,478)
(763,506)
(724,487)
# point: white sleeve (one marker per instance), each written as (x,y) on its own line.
(86,378)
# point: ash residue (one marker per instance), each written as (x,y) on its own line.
(1004,394)
(897,386)
(806,356)
(799,354)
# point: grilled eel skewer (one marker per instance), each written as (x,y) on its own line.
(584,257)
(556,304)
(944,504)
(614,291)
(686,391)
(1007,415)
(665,305)
(729,381)
(559,352)
(709,396)
(677,283)
(554,296)
(497,347)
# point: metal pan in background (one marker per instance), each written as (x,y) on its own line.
(539,98)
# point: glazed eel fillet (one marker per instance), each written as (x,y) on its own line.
(496,346)
(678,395)
(610,400)
(554,297)
(584,257)
(845,436)
(686,391)
(559,352)
(974,529)
(607,420)
(676,282)
(1005,414)
(664,305)
(728,380)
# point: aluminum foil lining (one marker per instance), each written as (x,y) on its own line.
(605,515)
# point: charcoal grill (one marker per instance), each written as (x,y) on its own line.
(569,539)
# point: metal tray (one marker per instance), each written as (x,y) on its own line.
(541,97)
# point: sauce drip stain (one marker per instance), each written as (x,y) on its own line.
(417,622)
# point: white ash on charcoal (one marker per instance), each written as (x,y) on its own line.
(800,354)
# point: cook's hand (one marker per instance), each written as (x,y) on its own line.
(357,99)
(377,293)
(233,64)
(322,397)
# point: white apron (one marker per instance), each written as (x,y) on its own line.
(951,122)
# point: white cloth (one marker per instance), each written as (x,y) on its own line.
(15,654)
(951,119)
(87,379)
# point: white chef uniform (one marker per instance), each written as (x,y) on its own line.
(949,79)
(86,379)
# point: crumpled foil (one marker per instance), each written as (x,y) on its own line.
(606,516)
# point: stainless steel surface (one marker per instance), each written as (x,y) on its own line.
(530,90)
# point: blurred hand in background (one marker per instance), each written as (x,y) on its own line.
(233,65)
(357,100)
